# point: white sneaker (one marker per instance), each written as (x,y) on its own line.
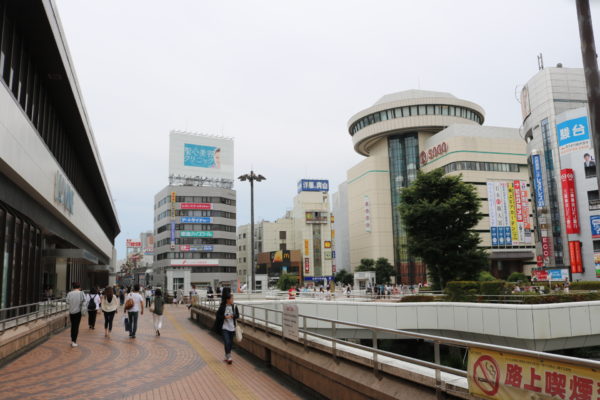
(73,344)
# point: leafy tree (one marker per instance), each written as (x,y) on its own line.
(286,281)
(366,264)
(344,277)
(383,271)
(439,213)
(516,277)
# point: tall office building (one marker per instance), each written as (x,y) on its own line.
(340,232)
(195,215)
(57,217)
(563,175)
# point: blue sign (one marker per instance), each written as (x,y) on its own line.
(595,223)
(195,155)
(572,131)
(494,233)
(507,236)
(538,181)
(207,248)
(196,220)
(172,232)
(313,185)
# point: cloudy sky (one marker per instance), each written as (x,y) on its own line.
(284,77)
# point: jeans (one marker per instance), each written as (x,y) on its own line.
(147,301)
(228,341)
(92,318)
(133,320)
(75,320)
(108,320)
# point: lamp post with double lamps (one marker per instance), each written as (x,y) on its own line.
(252,177)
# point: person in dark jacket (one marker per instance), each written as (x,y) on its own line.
(225,322)
(157,311)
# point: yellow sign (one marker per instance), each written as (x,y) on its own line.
(173,197)
(305,247)
(514,226)
(503,376)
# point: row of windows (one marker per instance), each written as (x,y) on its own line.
(196,241)
(206,270)
(197,213)
(194,256)
(20,71)
(411,111)
(480,166)
(197,199)
(197,227)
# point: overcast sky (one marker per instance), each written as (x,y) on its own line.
(284,77)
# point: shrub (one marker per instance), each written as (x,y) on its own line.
(492,287)
(486,276)
(462,290)
(560,298)
(419,299)
(517,276)
(585,285)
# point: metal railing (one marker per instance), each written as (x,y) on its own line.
(253,316)
(13,317)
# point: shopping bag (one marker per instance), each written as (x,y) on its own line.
(239,334)
(127,324)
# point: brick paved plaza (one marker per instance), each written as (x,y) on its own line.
(185,362)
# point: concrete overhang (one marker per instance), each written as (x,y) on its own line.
(77,255)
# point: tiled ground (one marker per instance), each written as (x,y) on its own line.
(185,362)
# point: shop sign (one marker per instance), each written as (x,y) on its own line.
(555,275)
(172,234)
(595,224)
(290,322)
(195,262)
(597,264)
(327,255)
(196,206)
(187,247)
(538,181)
(546,249)
(567,178)
(306,247)
(196,220)
(327,244)
(503,376)
(313,185)
(573,135)
(173,201)
(307,265)
(64,194)
(433,153)
(367,206)
(196,234)
(131,243)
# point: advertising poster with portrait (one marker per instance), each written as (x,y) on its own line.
(194,155)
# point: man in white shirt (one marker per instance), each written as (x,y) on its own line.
(135,309)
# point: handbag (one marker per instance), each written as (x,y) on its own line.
(127,324)
(239,333)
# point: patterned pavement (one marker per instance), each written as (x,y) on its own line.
(185,362)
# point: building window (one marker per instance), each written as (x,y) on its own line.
(282,235)
(282,247)
(596,245)
(593,200)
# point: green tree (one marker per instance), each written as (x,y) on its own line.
(286,281)
(366,264)
(344,277)
(517,276)
(439,213)
(383,271)
(485,276)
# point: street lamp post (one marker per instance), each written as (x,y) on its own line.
(252,177)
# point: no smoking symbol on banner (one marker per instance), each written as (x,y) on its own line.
(486,375)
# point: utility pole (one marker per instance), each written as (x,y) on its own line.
(592,78)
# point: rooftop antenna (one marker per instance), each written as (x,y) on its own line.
(540,59)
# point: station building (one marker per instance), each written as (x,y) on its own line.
(406,131)
(57,218)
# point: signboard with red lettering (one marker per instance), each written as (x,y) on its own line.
(433,153)
(567,179)
(307,265)
(196,206)
(502,376)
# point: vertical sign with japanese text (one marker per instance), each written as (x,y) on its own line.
(538,181)
(567,178)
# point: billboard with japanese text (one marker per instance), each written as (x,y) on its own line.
(508,205)
(205,156)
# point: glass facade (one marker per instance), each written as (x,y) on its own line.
(412,111)
(552,192)
(404,163)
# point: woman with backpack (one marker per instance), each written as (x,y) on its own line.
(225,322)
(93,305)
(109,307)
(157,311)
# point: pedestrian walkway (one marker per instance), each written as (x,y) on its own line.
(185,362)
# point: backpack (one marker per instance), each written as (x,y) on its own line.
(129,304)
(92,304)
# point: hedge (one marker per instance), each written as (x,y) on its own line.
(462,290)
(418,299)
(561,298)
(492,287)
(585,285)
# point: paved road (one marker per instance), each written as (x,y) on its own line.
(185,362)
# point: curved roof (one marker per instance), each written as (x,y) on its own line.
(412,94)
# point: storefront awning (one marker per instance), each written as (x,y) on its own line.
(76,255)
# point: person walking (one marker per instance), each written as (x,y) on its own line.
(76,302)
(134,305)
(92,301)
(179,296)
(148,296)
(122,295)
(157,311)
(109,305)
(225,322)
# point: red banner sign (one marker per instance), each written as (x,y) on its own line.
(546,248)
(575,257)
(196,206)
(307,265)
(184,247)
(567,179)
